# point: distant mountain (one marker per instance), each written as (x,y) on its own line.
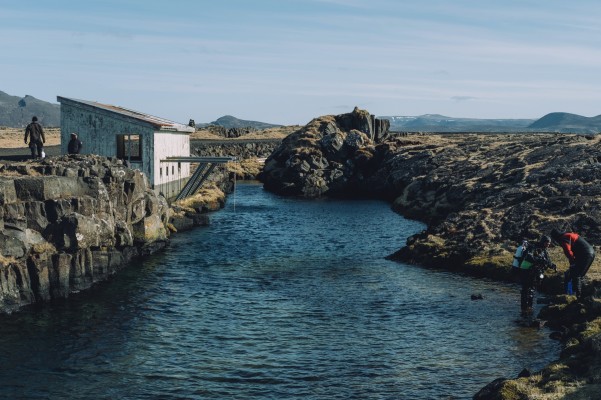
(441,123)
(228,121)
(16,112)
(566,122)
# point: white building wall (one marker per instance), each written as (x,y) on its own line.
(170,145)
(170,176)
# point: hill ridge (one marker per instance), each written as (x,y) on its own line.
(229,121)
(16,112)
(563,121)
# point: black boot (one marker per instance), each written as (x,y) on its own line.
(577,286)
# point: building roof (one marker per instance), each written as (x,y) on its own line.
(156,122)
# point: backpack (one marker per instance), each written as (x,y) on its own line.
(519,255)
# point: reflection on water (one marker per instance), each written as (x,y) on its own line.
(279,298)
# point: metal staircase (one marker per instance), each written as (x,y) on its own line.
(206,165)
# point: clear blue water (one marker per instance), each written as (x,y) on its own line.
(278,299)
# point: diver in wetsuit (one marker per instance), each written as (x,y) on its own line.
(535,260)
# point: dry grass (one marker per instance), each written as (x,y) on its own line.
(205,134)
(245,168)
(271,133)
(4,261)
(209,196)
(12,138)
(44,247)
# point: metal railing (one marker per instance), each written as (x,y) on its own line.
(204,169)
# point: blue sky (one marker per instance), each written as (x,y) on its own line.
(288,61)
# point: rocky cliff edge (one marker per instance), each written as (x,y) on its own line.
(68,222)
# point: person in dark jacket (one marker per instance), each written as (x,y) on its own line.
(580,255)
(75,145)
(534,261)
(35,132)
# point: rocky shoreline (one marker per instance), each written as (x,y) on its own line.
(68,222)
(480,195)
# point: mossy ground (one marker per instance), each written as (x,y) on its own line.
(246,168)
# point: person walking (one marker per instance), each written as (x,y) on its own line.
(35,132)
(580,255)
(75,145)
(534,261)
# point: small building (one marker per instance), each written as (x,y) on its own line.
(145,141)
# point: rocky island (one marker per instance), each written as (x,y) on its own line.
(480,195)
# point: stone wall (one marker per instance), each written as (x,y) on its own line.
(241,149)
(68,222)
(230,132)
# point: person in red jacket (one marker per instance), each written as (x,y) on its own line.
(579,253)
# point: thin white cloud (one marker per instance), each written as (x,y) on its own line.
(487,58)
(343,3)
(463,98)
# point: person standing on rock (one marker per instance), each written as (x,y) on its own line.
(75,145)
(580,255)
(35,132)
(535,260)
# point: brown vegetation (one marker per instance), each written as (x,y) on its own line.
(12,138)
(245,169)
(209,197)
(279,132)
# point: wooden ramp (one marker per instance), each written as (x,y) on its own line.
(206,165)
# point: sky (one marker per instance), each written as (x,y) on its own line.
(289,61)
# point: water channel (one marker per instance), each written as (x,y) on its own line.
(278,298)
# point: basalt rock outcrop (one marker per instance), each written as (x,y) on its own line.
(233,132)
(68,222)
(329,156)
(241,150)
(479,193)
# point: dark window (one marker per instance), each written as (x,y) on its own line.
(129,147)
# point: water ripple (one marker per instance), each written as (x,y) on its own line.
(279,299)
